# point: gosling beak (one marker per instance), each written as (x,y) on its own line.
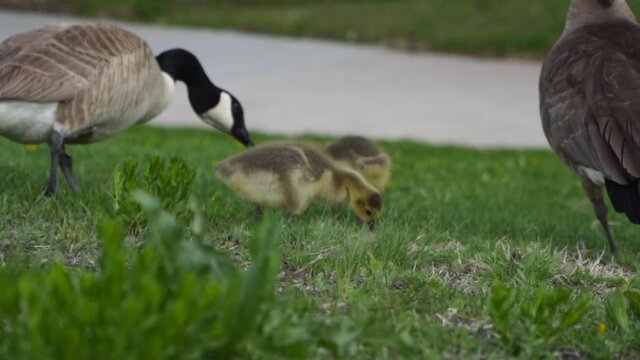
(242,135)
(371,224)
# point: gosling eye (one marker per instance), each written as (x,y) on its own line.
(368,212)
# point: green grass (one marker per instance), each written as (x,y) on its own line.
(456,223)
(491,27)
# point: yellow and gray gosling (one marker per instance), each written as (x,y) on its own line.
(293,176)
(363,155)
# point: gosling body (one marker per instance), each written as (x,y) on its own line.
(293,176)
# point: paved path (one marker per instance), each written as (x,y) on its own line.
(293,86)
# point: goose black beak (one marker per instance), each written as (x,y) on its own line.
(242,135)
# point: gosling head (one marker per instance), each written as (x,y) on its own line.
(368,207)
(215,106)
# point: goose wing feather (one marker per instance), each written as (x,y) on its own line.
(56,62)
(590,104)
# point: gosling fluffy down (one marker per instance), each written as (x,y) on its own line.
(363,155)
(293,176)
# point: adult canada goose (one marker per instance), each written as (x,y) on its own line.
(79,84)
(291,176)
(590,104)
(363,155)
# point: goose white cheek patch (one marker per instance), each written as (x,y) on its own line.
(220,116)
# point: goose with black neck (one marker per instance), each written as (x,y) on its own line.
(80,84)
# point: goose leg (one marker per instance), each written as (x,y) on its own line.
(66,165)
(596,195)
(55,148)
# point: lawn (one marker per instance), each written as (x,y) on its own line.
(479,253)
(489,28)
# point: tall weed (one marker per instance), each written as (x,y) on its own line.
(168,180)
(174,299)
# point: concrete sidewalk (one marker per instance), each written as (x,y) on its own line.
(291,86)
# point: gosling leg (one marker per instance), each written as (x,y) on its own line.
(371,224)
(336,209)
(259,213)
(596,195)
(294,206)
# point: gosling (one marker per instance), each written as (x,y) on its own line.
(293,176)
(363,155)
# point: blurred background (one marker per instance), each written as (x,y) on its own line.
(479,27)
(461,72)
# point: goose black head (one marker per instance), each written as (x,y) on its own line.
(605,3)
(596,12)
(215,106)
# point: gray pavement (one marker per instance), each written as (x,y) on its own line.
(289,86)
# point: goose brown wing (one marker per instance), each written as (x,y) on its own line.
(590,107)
(56,62)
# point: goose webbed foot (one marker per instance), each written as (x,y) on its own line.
(50,189)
